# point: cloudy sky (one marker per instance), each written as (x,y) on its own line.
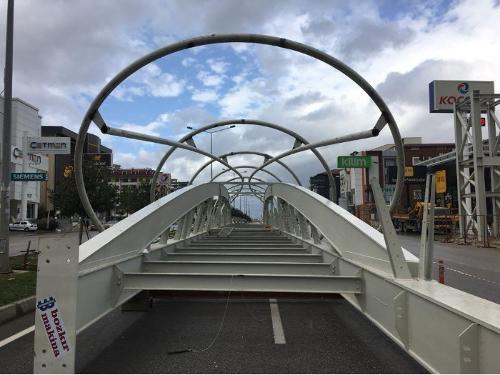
(66,50)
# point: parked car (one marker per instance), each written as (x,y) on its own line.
(23,225)
(110,223)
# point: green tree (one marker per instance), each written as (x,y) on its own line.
(102,195)
(237,213)
(133,198)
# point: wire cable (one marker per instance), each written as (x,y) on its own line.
(219,331)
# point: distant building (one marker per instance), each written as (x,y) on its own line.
(136,177)
(355,187)
(26,122)
(61,166)
(320,184)
(176,185)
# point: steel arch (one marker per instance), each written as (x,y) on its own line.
(92,113)
(239,122)
(233,153)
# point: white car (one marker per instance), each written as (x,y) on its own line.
(23,225)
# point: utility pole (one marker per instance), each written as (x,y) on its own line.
(6,144)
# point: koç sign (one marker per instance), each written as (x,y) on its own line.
(444,94)
(49,145)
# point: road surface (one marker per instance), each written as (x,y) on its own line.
(320,335)
(19,240)
(472,269)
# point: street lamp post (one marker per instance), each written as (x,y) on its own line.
(211,142)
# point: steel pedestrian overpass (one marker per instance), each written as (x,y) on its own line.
(188,241)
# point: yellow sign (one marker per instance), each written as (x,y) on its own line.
(68,170)
(408,171)
(441,181)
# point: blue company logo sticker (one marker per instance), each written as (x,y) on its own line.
(463,88)
(53,324)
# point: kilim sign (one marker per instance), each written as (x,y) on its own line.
(354,161)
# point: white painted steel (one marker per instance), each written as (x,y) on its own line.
(349,236)
(444,329)
(279,333)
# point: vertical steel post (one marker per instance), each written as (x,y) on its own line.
(24,197)
(424,231)
(478,153)
(6,144)
(427,271)
(494,170)
(211,164)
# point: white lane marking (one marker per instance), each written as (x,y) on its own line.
(279,335)
(16,336)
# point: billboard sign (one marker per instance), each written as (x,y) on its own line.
(441,181)
(444,94)
(49,145)
(28,176)
(417,175)
(100,159)
(354,161)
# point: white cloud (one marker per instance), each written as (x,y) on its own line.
(205,96)
(210,79)
(188,61)
(398,55)
(219,66)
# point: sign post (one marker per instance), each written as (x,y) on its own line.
(6,146)
(354,161)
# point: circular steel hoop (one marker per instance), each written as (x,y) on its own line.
(233,153)
(238,122)
(229,38)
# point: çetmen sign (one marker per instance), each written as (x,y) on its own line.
(49,145)
(444,94)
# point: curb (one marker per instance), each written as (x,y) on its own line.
(16,309)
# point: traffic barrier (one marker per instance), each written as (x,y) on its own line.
(441,271)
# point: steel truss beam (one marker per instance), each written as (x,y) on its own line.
(473,156)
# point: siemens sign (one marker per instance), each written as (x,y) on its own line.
(444,94)
(49,145)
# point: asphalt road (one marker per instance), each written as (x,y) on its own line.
(474,270)
(322,336)
(19,240)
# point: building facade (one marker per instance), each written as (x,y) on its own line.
(61,166)
(355,182)
(320,184)
(25,195)
(135,177)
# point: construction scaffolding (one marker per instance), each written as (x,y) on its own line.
(474,158)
